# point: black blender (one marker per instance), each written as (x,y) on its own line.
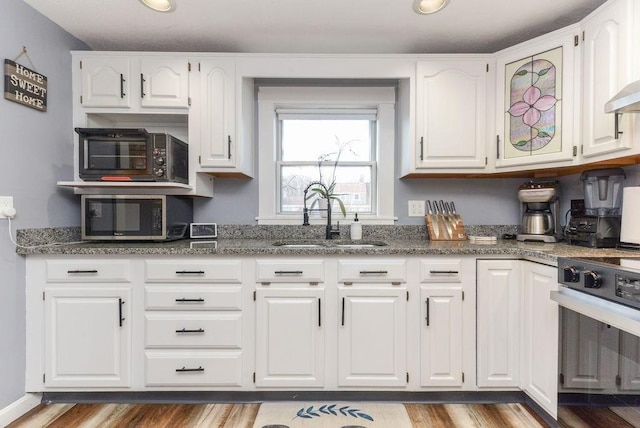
(599,225)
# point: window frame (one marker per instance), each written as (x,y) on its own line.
(271,98)
(315,114)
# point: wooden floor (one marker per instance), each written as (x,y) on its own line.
(243,416)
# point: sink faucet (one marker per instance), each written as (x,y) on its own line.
(330,230)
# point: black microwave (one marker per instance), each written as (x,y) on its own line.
(127,154)
(135,217)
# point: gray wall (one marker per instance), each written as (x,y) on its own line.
(37,151)
(489,201)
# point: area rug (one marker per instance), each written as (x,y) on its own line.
(329,414)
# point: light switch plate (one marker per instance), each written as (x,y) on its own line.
(416,208)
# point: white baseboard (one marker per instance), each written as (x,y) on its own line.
(18,408)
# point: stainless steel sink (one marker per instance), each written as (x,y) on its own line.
(328,243)
(299,244)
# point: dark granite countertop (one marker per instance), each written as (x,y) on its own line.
(268,246)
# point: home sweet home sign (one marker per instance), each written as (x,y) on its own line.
(25,86)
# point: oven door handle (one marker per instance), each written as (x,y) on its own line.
(615,314)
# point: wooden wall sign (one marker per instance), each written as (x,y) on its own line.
(25,86)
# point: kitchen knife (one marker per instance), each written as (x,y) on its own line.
(433,212)
(448,220)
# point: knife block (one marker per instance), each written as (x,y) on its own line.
(445,227)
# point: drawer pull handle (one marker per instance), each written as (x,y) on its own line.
(373,272)
(189,272)
(184,369)
(184,330)
(288,272)
(444,272)
(183,300)
(81,272)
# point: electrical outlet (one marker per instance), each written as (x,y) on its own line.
(6,202)
(416,208)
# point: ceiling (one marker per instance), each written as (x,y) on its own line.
(303,26)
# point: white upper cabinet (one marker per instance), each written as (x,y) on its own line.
(536,101)
(134,83)
(608,49)
(218,118)
(225,119)
(451,114)
(106,82)
(164,82)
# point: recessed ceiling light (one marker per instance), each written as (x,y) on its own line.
(425,7)
(160,5)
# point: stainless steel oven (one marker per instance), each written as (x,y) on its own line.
(600,337)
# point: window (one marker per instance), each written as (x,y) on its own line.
(336,148)
(333,135)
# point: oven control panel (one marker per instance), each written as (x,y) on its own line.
(628,288)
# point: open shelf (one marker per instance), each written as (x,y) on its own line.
(124,185)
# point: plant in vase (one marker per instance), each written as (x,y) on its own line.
(325,193)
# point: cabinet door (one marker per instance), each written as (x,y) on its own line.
(217,85)
(441,337)
(498,315)
(289,338)
(540,335)
(164,82)
(629,370)
(372,337)
(88,337)
(536,90)
(590,351)
(106,82)
(607,54)
(451,114)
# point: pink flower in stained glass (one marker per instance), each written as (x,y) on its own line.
(531,106)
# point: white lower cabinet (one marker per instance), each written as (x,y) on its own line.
(518,329)
(540,332)
(193,323)
(193,368)
(441,347)
(372,339)
(331,323)
(290,337)
(498,323)
(87,336)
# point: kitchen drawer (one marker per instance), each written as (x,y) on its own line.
(290,270)
(88,270)
(227,271)
(193,330)
(193,298)
(193,368)
(436,270)
(370,271)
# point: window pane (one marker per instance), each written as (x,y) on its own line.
(353,187)
(310,140)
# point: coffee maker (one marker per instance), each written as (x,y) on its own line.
(540,205)
(599,225)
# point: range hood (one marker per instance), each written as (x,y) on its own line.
(625,101)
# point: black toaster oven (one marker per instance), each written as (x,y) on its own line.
(128,154)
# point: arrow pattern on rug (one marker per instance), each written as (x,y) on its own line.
(330,409)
